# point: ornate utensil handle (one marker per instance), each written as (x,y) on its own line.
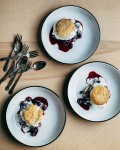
(15,83)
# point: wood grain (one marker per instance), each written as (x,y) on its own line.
(24,16)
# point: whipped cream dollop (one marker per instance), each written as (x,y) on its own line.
(78,28)
(96,81)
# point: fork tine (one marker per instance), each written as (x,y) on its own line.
(26,46)
(19,36)
(33,52)
(32,56)
(25,49)
(16,37)
(23,46)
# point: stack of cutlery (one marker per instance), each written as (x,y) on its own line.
(20,57)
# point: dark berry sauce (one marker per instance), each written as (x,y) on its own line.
(40,102)
(85,101)
(84,105)
(93,74)
(65,45)
(33,131)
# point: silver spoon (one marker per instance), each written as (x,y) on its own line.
(17,47)
(38,65)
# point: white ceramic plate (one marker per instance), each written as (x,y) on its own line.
(82,48)
(78,82)
(53,121)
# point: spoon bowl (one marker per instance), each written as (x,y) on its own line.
(17,46)
(39,65)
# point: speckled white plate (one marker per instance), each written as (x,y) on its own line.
(53,121)
(82,48)
(78,82)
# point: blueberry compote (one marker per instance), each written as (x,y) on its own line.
(40,102)
(66,45)
(85,102)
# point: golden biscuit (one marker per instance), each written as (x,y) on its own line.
(99,95)
(64,27)
(32,115)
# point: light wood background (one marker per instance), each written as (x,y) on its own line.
(24,16)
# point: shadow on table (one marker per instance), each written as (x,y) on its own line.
(3,121)
(65,91)
(39,40)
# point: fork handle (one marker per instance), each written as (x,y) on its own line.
(15,83)
(10,82)
(6,75)
(7,61)
(6,58)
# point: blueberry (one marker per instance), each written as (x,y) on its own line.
(38,103)
(80,101)
(88,104)
(87,98)
(81,92)
(44,107)
(28,99)
(33,131)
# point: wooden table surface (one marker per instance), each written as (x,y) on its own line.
(24,17)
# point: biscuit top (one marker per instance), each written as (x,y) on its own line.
(32,115)
(64,28)
(99,95)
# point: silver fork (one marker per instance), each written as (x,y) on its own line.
(24,50)
(23,53)
(19,36)
(30,54)
(12,68)
(20,74)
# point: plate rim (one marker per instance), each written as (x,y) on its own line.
(95,21)
(61,105)
(69,83)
